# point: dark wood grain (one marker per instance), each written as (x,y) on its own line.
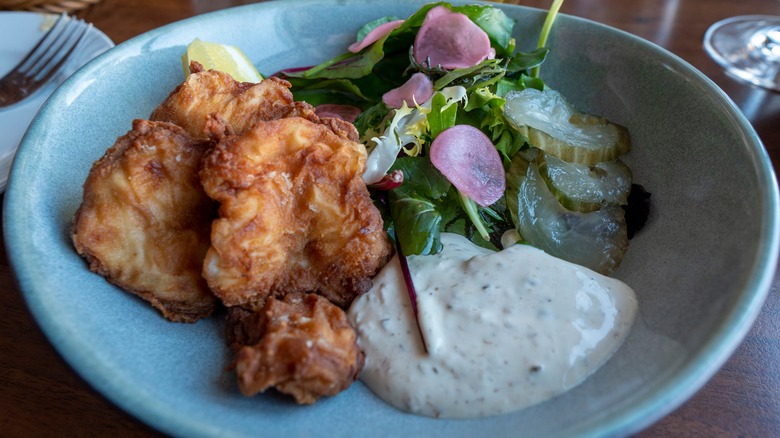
(41,396)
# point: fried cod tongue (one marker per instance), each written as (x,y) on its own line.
(301,345)
(295,215)
(144,220)
(207,92)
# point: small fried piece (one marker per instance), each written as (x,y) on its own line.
(240,104)
(295,215)
(302,345)
(144,220)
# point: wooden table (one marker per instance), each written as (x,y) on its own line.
(41,396)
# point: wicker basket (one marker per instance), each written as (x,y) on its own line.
(57,7)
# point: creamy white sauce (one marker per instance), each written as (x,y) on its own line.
(504,330)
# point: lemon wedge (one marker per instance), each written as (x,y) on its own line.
(220,57)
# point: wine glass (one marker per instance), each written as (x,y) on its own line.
(748,47)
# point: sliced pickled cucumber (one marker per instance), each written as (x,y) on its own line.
(597,240)
(551,123)
(584,188)
(515,174)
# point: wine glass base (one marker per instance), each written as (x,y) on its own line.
(748,47)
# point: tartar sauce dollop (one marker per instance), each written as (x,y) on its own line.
(504,330)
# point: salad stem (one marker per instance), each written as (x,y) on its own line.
(410,289)
(318,68)
(471,210)
(548,23)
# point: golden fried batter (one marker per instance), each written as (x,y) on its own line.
(302,345)
(206,93)
(144,220)
(295,215)
(339,126)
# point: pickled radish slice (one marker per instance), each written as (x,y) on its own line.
(345,112)
(373,36)
(436,12)
(415,91)
(450,40)
(470,162)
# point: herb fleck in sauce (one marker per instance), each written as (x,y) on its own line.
(504,330)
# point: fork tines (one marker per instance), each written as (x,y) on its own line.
(44,60)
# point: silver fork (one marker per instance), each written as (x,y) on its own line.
(44,61)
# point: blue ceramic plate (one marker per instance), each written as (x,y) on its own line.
(701,268)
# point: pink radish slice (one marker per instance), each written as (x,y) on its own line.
(373,36)
(436,12)
(451,40)
(416,90)
(470,162)
(345,112)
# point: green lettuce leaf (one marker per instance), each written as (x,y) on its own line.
(494,22)
(415,206)
(371,25)
(441,118)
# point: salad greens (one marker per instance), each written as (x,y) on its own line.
(399,139)
(427,203)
